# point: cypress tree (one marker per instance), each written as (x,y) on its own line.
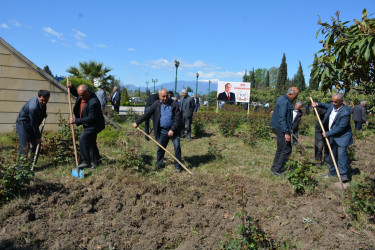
(300,79)
(313,82)
(244,78)
(47,70)
(266,83)
(252,79)
(281,84)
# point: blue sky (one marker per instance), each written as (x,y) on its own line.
(140,39)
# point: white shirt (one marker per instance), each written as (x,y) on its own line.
(295,112)
(332,117)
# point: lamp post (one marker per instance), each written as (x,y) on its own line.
(196,85)
(154,81)
(176,64)
(209,89)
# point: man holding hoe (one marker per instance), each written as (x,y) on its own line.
(168,119)
(88,113)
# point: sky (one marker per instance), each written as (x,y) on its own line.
(140,39)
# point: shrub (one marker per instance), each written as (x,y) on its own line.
(362,200)
(214,150)
(198,126)
(300,175)
(249,233)
(109,136)
(12,179)
(59,147)
(132,159)
(228,124)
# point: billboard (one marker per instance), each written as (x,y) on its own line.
(233,91)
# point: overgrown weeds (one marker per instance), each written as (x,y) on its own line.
(198,126)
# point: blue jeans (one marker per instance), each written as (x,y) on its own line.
(341,159)
(163,140)
(25,137)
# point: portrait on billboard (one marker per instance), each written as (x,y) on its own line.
(233,91)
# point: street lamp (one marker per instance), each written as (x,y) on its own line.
(154,81)
(196,85)
(209,89)
(176,64)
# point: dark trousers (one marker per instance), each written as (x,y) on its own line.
(116,107)
(88,148)
(147,125)
(339,153)
(358,125)
(283,151)
(295,133)
(163,140)
(26,139)
(186,121)
(321,144)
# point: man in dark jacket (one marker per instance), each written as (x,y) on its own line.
(168,123)
(187,106)
(29,120)
(150,100)
(359,115)
(297,115)
(339,133)
(320,143)
(281,122)
(88,113)
(115,99)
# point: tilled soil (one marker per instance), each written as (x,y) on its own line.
(128,211)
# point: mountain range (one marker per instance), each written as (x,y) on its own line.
(202,86)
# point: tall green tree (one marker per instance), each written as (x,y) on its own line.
(266,82)
(314,81)
(274,71)
(300,79)
(90,70)
(281,84)
(124,96)
(252,79)
(347,58)
(245,78)
(260,75)
(47,70)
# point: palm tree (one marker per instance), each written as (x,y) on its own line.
(90,70)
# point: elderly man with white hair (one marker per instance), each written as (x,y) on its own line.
(187,105)
(339,133)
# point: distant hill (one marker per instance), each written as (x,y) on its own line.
(202,86)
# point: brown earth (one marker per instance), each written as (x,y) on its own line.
(185,212)
(121,209)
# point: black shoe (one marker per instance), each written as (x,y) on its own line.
(344,179)
(83,165)
(182,136)
(277,173)
(157,167)
(146,138)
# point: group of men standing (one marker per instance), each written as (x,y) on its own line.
(172,119)
(335,118)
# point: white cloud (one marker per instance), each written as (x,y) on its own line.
(135,63)
(100,45)
(162,63)
(82,45)
(218,74)
(15,23)
(131,49)
(49,31)
(78,34)
(66,45)
(4,25)
(53,40)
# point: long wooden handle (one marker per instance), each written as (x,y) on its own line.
(72,127)
(329,145)
(187,170)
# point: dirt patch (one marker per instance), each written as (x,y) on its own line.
(135,212)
